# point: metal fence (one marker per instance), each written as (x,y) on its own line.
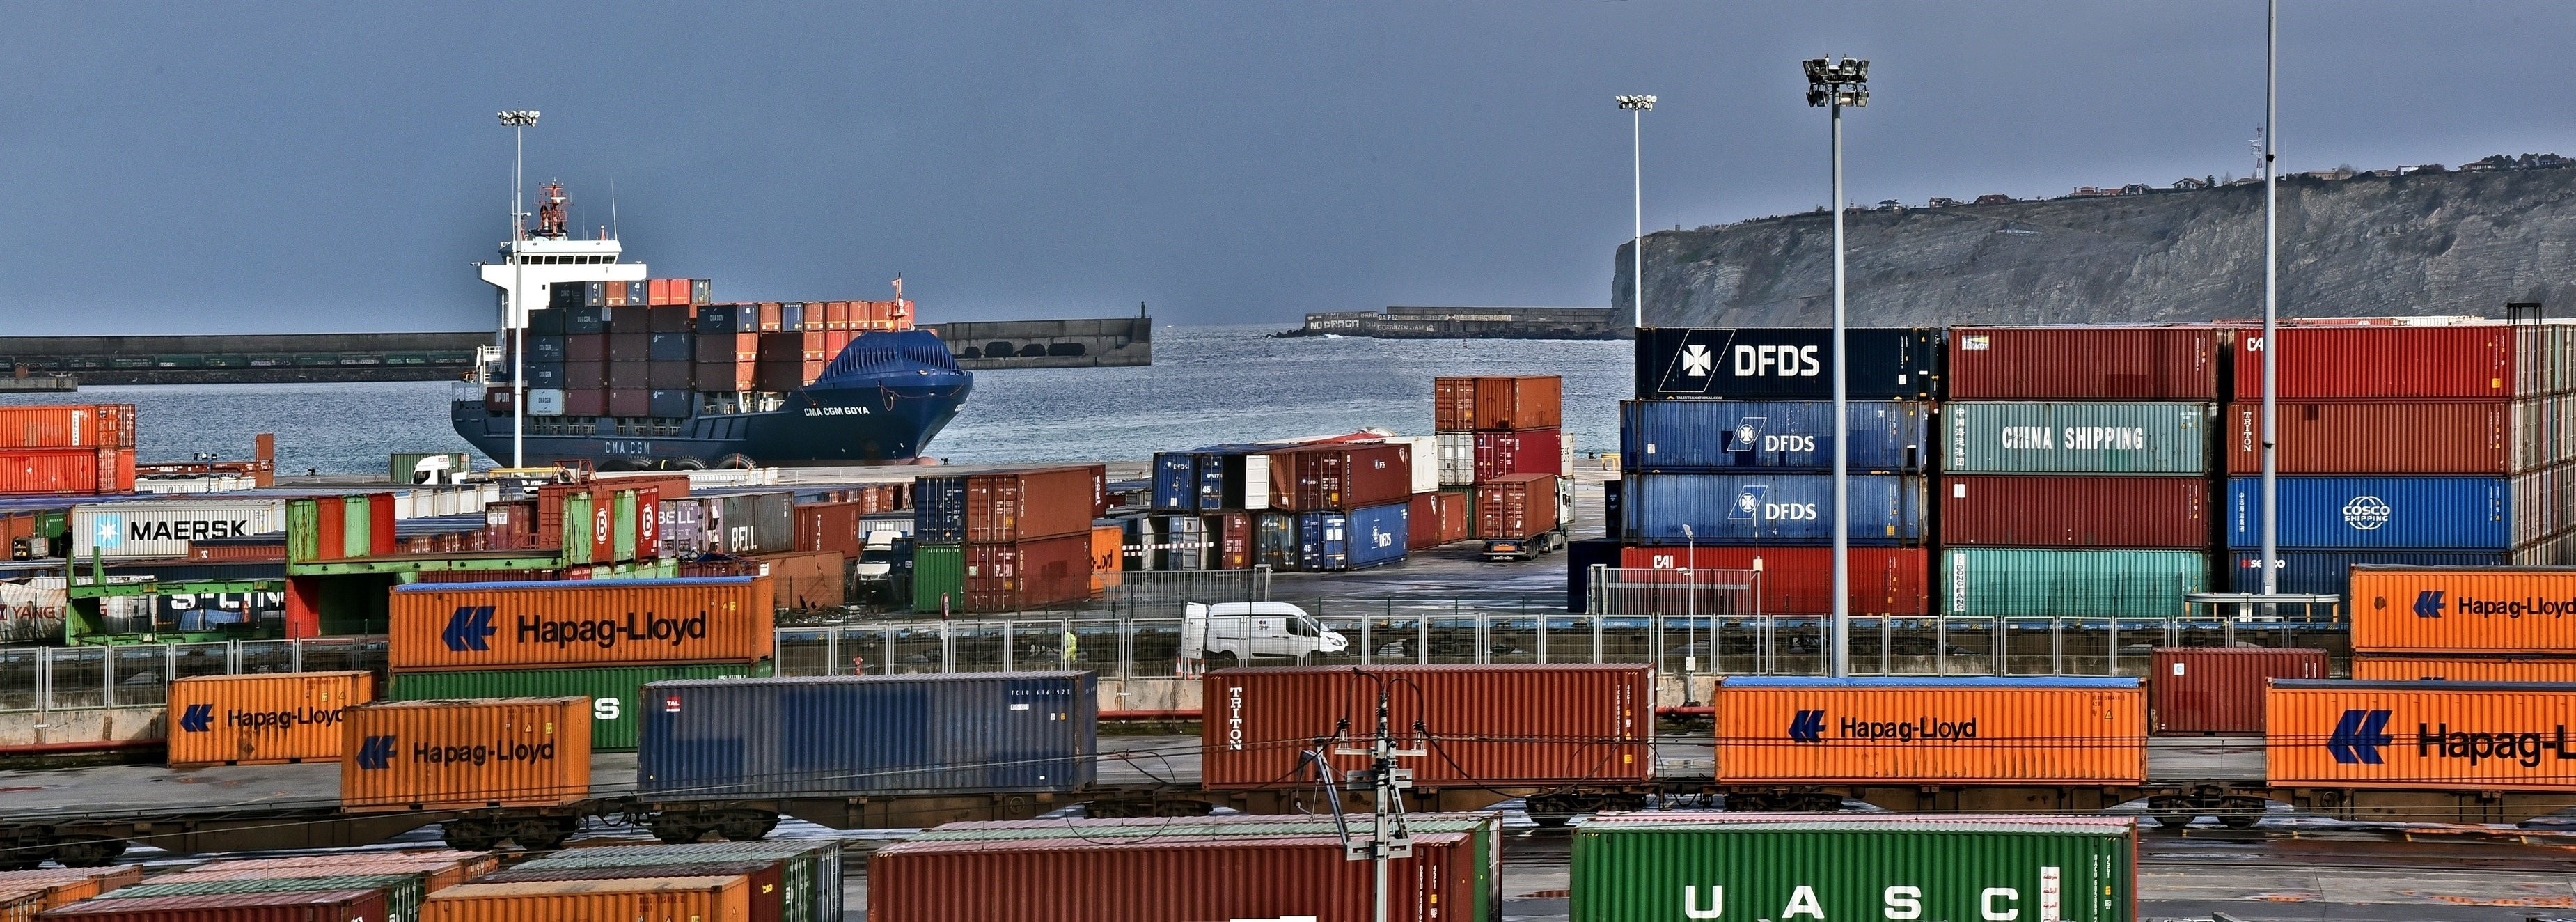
(77,678)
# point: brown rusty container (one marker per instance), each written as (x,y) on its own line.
(660,899)
(1484,725)
(1516,506)
(2370,361)
(1010,506)
(1453,404)
(262,719)
(765,880)
(2491,437)
(438,868)
(1177,879)
(63,886)
(2404,667)
(1028,575)
(580,623)
(2207,691)
(326,906)
(2083,512)
(1341,477)
(1457,523)
(1519,402)
(2091,362)
(2456,610)
(1231,532)
(466,755)
(806,580)
(2001,731)
(1422,522)
(2443,736)
(829,527)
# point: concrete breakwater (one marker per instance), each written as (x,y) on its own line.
(1467,323)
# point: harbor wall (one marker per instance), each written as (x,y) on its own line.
(247,359)
(1467,323)
(1089,343)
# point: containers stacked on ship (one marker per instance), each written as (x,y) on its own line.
(601,642)
(67,449)
(1005,541)
(2463,624)
(624,349)
(1727,455)
(1495,427)
(2428,442)
(2075,470)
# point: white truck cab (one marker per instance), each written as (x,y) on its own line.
(1246,630)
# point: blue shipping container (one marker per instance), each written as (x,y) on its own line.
(939,509)
(1176,483)
(842,736)
(1704,435)
(1789,509)
(2416,513)
(1328,541)
(2330,572)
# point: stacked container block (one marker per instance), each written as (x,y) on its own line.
(1019,539)
(67,450)
(2427,442)
(2076,470)
(2463,624)
(1326,504)
(658,348)
(1727,454)
(1493,427)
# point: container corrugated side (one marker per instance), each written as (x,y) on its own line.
(163,527)
(2038,510)
(439,868)
(80,425)
(615,692)
(2036,582)
(938,577)
(1931,731)
(1799,580)
(2076,438)
(66,471)
(2212,690)
(2417,667)
(1768,509)
(1505,403)
(2420,735)
(465,755)
(1871,866)
(1521,724)
(820,860)
(65,884)
(1786,363)
(1515,507)
(2404,437)
(580,623)
(939,509)
(402,892)
(1009,506)
(2088,362)
(1453,404)
(2369,362)
(1527,451)
(770,896)
(2329,572)
(1029,574)
(712,899)
(1886,437)
(2411,513)
(1334,541)
(308,906)
(1030,732)
(2481,610)
(1068,880)
(261,719)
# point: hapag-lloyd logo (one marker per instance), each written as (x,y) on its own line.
(2366,513)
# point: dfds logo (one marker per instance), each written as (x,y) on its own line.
(1750,507)
(1748,436)
(2366,512)
(1777,361)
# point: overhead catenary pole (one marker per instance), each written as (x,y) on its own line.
(1637,106)
(2271,558)
(1837,84)
(518,121)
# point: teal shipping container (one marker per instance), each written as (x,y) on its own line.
(1997,582)
(1787,866)
(2076,438)
(613,690)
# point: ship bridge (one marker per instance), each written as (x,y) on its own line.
(549,255)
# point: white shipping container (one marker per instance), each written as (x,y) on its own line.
(163,527)
(545,401)
(1424,452)
(1565,449)
(1457,458)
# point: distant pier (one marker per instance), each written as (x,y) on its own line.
(26,383)
(1467,323)
(246,359)
(1001,344)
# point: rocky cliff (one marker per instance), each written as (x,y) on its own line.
(2425,243)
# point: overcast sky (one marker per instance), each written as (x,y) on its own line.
(279,166)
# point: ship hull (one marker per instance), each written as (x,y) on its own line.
(884,419)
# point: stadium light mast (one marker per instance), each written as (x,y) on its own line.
(1637,107)
(1835,84)
(518,121)
(2271,300)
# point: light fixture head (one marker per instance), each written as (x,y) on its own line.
(519,118)
(1817,95)
(1636,102)
(1815,70)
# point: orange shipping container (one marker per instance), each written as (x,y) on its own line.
(2463,609)
(439,869)
(806,580)
(2424,735)
(79,425)
(66,471)
(262,719)
(466,755)
(1522,402)
(61,886)
(1931,731)
(1108,556)
(612,623)
(2405,668)
(696,899)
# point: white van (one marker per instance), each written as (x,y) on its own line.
(1247,630)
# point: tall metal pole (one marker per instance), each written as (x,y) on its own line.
(1842,442)
(1637,193)
(518,324)
(2271,299)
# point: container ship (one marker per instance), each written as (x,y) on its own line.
(629,372)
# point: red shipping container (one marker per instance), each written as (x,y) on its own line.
(630,347)
(585,376)
(1516,506)
(84,425)
(1340,477)
(722,377)
(668,376)
(586,402)
(2362,362)
(1030,574)
(1167,879)
(726,348)
(311,906)
(66,471)
(1521,402)
(1800,580)
(2088,512)
(1487,725)
(1453,404)
(586,347)
(2098,362)
(829,527)
(2213,690)
(1456,521)
(770,316)
(1422,522)
(2491,437)
(630,375)
(1533,451)
(1008,506)
(630,402)
(1232,535)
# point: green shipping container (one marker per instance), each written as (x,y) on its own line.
(402,891)
(1639,867)
(613,690)
(576,537)
(622,531)
(2021,583)
(2077,438)
(938,570)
